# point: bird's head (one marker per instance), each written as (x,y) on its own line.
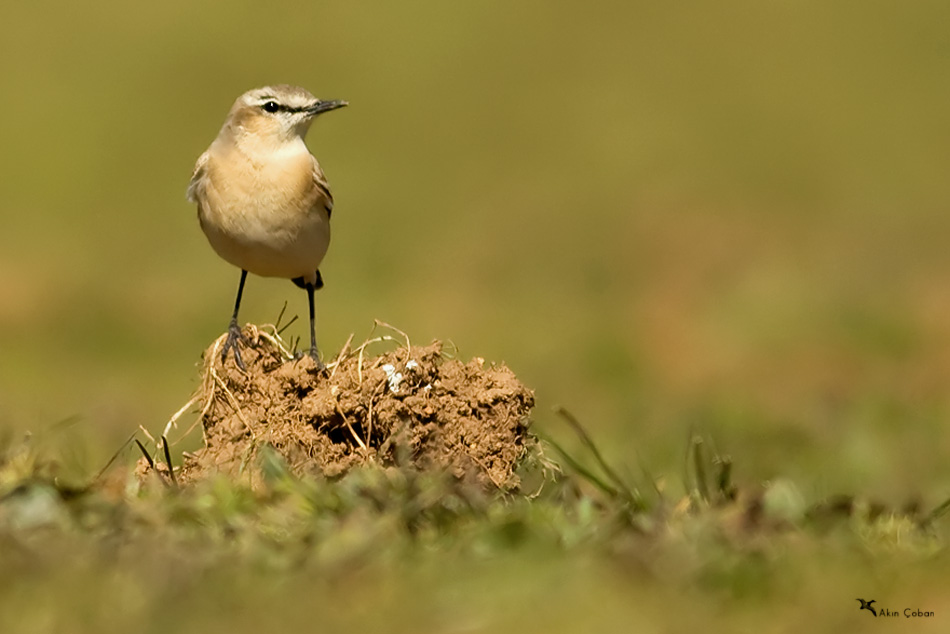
(278,113)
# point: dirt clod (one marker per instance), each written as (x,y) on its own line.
(409,407)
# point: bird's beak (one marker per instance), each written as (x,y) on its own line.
(325,106)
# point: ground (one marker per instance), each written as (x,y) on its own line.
(404,490)
(407,407)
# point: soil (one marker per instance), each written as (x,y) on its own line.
(409,407)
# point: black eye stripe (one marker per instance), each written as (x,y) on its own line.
(272,106)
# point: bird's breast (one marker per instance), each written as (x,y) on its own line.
(265,215)
(275,197)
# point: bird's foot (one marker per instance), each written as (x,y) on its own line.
(314,354)
(234,339)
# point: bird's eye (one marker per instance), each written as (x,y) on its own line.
(271,106)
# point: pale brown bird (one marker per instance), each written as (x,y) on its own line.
(263,201)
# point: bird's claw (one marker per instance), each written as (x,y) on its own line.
(313,354)
(234,339)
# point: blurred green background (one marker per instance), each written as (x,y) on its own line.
(723,217)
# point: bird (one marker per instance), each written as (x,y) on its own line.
(263,201)
(866,605)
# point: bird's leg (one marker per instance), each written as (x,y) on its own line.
(234,331)
(314,353)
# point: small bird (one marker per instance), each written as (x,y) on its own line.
(263,201)
(866,605)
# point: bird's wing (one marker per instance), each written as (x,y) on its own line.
(196,185)
(320,181)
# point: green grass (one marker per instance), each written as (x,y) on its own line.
(409,551)
(725,219)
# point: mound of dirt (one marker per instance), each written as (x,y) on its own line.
(410,407)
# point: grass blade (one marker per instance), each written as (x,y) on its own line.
(621,486)
(168,461)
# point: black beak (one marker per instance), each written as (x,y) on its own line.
(325,106)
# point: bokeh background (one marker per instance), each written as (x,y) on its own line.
(728,218)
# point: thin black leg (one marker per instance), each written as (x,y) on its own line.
(314,353)
(234,331)
(237,301)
